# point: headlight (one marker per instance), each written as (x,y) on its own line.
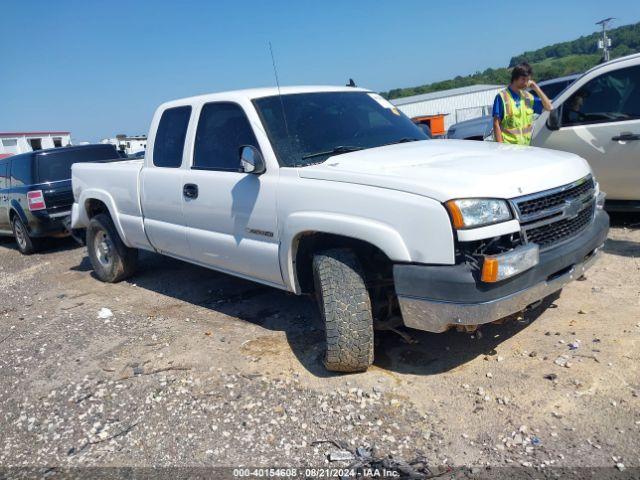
(477,212)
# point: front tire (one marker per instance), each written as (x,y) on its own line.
(26,244)
(111,259)
(346,310)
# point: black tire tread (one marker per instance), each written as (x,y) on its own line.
(126,260)
(33,244)
(346,309)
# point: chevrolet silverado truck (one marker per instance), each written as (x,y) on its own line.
(333,192)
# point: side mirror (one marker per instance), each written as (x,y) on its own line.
(553,122)
(251,160)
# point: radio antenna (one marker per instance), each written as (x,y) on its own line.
(275,72)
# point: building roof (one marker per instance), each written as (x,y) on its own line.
(444,93)
(21,134)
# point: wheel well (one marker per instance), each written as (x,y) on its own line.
(13,213)
(94,207)
(378,268)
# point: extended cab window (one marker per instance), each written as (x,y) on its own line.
(222,129)
(169,143)
(611,97)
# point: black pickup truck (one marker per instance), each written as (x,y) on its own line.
(36,195)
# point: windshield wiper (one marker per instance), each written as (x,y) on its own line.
(336,151)
(405,140)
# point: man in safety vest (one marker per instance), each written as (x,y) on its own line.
(513,107)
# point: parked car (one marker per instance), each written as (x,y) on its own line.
(35,192)
(482,127)
(332,192)
(598,118)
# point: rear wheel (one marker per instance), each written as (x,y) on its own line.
(111,259)
(346,310)
(26,244)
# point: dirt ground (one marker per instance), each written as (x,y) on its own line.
(196,368)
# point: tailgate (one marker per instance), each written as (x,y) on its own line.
(58,197)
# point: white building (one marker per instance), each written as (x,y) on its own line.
(128,144)
(457,104)
(12,143)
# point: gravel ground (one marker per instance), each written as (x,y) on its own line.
(186,367)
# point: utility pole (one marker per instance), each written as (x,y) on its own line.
(605,43)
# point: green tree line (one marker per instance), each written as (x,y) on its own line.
(548,62)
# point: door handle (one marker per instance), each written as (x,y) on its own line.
(190,190)
(626,137)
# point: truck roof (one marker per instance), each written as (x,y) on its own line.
(68,148)
(252,93)
(614,61)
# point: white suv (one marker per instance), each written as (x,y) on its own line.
(598,118)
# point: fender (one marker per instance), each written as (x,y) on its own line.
(15,206)
(82,219)
(376,233)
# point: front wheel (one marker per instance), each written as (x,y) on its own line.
(26,244)
(346,310)
(111,259)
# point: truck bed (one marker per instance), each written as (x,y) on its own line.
(116,184)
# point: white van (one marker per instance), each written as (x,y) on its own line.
(598,118)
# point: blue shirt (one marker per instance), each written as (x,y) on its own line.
(498,106)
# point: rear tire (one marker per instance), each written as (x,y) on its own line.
(26,244)
(111,259)
(345,307)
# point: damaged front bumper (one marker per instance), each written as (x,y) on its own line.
(435,298)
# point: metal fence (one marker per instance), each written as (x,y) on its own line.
(463,114)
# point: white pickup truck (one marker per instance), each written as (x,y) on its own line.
(331,191)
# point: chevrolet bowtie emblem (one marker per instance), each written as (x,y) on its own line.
(572,208)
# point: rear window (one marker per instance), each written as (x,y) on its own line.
(56,165)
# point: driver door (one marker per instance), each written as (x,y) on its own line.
(230,215)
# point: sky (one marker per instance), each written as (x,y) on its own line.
(100,68)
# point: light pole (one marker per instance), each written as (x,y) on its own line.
(605,43)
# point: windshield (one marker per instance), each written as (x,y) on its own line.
(318,125)
(552,90)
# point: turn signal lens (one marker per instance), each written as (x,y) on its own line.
(456,214)
(490,270)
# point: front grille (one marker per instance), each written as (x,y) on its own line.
(540,204)
(556,232)
(553,216)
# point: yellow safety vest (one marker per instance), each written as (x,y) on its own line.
(517,123)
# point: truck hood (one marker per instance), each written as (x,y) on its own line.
(448,169)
